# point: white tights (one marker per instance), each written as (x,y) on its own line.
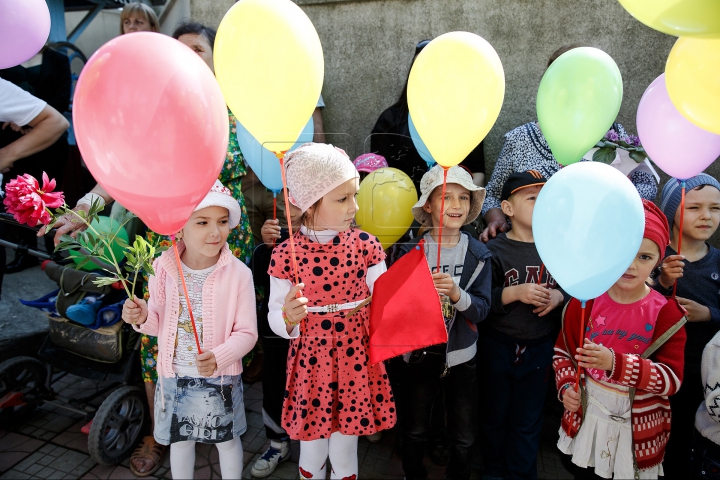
(342,450)
(182,459)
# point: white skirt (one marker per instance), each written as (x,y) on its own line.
(605,437)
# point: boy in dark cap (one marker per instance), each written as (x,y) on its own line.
(516,342)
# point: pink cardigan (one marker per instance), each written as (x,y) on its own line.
(229,314)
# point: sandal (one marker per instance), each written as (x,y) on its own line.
(148,449)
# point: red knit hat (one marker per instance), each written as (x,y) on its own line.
(656,226)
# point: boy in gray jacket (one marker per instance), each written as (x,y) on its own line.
(463,283)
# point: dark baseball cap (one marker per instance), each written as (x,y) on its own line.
(519,180)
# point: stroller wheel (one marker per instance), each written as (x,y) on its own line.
(22,387)
(117,426)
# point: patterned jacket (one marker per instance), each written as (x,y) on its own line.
(525,149)
(654,379)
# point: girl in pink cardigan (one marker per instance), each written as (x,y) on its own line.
(199,395)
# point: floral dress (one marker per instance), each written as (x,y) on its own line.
(240,241)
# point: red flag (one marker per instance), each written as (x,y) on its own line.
(405,313)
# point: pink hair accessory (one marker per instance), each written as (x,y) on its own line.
(369,162)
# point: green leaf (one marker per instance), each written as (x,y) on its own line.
(129,269)
(639,157)
(604,155)
(103,281)
(122,243)
(83,262)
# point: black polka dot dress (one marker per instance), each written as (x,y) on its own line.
(330,386)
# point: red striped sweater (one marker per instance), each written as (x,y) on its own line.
(654,379)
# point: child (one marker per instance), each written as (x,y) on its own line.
(332,394)
(199,397)
(706,448)
(275,350)
(516,347)
(697,292)
(464,288)
(633,358)
(368,163)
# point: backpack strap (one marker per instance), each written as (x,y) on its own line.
(659,342)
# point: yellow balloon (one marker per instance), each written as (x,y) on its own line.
(269,64)
(385,202)
(455,92)
(692,77)
(687,18)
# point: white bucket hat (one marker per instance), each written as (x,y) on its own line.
(434,178)
(220,196)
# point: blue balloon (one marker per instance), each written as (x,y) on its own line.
(420,145)
(588,224)
(264,162)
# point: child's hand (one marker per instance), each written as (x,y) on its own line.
(671,269)
(295,308)
(270,232)
(571,399)
(594,356)
(445,285)
(135,311)
(532,294)
(695,311)
(556,298)
(206,364)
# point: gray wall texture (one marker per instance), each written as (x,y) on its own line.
(368,47)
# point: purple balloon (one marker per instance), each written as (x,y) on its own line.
(24,28)
(680,148)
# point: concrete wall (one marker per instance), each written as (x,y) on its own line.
(369,44)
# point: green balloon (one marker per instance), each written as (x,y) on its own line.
(103,225)
(577,102)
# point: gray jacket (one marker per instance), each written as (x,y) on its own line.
(476,280)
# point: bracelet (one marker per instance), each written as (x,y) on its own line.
(287,320)
(90,198)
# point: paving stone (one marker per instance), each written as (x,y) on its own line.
(255,420)
(79,471)
(8,459)
(286,470)
(102,471)
(33,469)
(68,460)
(47,472)
(29,461)
(121,473)
(46,449)
(14,475)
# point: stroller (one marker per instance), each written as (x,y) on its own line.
(99,352)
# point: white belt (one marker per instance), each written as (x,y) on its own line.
(335,307)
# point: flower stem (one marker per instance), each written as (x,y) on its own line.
(114,261)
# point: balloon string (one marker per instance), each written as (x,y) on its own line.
(274,211)
(442,217)
(682,218)
(187,298)
(582,342)
(281,158)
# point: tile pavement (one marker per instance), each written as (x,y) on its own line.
(50,445)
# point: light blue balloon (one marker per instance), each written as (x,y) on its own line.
(265,163)
(420,145)
(588,224)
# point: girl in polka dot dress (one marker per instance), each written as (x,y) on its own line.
(332,394)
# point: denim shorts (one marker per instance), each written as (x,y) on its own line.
(199,409)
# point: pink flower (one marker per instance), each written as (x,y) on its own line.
(28,203)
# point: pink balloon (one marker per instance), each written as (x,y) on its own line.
(24,28)
(680,148)
(152,126)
